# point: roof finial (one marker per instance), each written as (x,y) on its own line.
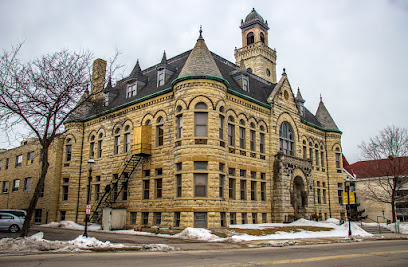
(201,31)
(284,71)
(321,98)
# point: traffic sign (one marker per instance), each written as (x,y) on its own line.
(88,209)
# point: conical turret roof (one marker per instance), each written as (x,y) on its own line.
(200,61)
(323,116)
(299,97)
(137,73)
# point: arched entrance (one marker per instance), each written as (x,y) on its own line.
(299,197)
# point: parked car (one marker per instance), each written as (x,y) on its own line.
(20,213)
(10,222)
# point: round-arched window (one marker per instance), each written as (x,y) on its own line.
(201,105)
(262,37)
(286,139)
(148,122)
(250,38)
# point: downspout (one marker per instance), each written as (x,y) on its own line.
(80,171)
(327,171)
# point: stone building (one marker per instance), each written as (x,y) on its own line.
(197,140)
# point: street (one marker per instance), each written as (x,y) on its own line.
(374,253)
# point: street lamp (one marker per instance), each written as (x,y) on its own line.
(348,205)
(91,162)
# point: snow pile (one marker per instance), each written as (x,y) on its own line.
(403,227)
(36,243)
(333,221)
(197,234)
(71,225)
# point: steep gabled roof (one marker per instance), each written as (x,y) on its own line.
(323,116)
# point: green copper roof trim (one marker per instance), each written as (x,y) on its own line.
(210,77)
(162,92)
(321,128)
(249,98)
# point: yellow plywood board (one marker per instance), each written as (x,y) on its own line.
(142,139)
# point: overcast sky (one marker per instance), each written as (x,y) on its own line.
(353,53)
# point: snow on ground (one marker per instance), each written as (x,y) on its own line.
(36,243)
(71,225)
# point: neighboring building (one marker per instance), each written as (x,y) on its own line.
(197,140)
(19,173)
(377,176)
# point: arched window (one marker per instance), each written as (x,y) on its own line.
(148,122)
(179,123)
(68,149)
(338,159)
(200,120)
(286,139)
(231,131)
(262,37)
(126,136)
(116,147)
(252,137)
(261,140)
(100,145)
(159,131)
(250,38)
(242,134)
(92,147)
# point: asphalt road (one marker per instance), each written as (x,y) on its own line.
(368,253)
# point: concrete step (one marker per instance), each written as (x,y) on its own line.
(375,230)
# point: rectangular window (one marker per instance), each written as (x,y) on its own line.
(252,140)
(157,218)
(231,171)
(100,145)
(131,90)
(322,158)
(262,143)
(319,201)
(133,217)
(27,184)
(304,152)
(63,214)
(242,137)
(221,167)
(30,157)
(146,173)
(179,185)
(340,192)
(159,171)
(19,160)
(253,175)
(254,217)
(200,184)
(179,166)
(263,176)
(159,187)
(200,219)
(223,219)
(201,123)
(253,190)
(124,190)
(116,145)
(221,127)
(221,187)
(338,166)
(37,215)
(317,157)
(245,83)
(179,121)
(231,135)
(92,150)
(5,186)
(263,191)
(160,79)
(97,189)
(159,134)
(146,189)
(177,217)
(65,192)
(242,173)
(127,142)
(7,163)
(311,154)
(324,196)
(68,152)
(263,217)
(244,218)
(231,188)
(233,218)
(200,165)
(243,189)
(145,218)
(16,184)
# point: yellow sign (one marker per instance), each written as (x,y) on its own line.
(352,198)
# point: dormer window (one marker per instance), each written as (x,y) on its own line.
(160,77)
(131,90)
(245,84)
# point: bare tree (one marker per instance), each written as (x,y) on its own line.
(388,152)
(41,95)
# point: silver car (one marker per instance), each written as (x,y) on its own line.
(10,222)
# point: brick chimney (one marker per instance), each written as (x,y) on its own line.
(98,78)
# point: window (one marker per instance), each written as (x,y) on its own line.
(245,84)
(223,219)
(65,192)
(242,173)
(322,157)
(221,185)
(7,163)
(311,153)
(262,36)
(30,157)
(159,187)
(319,201)
(179,166)
(241,137)
(263,191)
(179,185)
(5,186)
(262,143)
(200,219)
(127,139)
(200,119)
(221,127)
(146,173)
(145,218)
(27,184)
(131,90)
(160,77)
(68,150)
(324,196)
(286,139)
(37,215)
(231,188)
(263,217)
(263,176)
(253,190)
(253,175)
(133,216)
(244,218)
(100,146)
(63,214)
(179,123)
(338,156)
(243,189)
(233,218)
(116,148)
(16,184)
(304,150)
(157,218)
(317,156)
(159,171)
(268,72)
(340,192)
(250,38)
(200,184)
(146,189)
(249,70)
(252,140)
(254,217)
(19,160)
(159,131)
(231,171)
(177,216)
(124,190)
(200,165)
(97,189)
(231,132)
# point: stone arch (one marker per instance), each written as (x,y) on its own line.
(263,123)
(287,117)
(116,126)
(336,146)
(99,131)
(126,123)
(201,98)
(220,104)
(70,137)
(299,191)
(146,117)
(92,133)
(180,103)
(158,114)
(231,112)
